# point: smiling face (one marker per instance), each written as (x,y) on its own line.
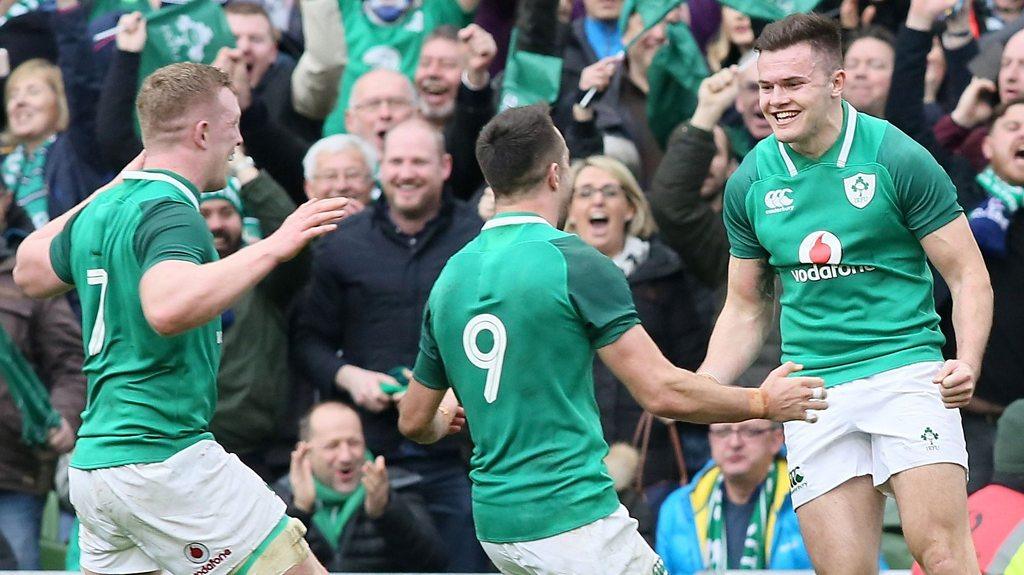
(33,110)
(222,137)
(413,170)
(600,210)
(225,223)
(337,447)
(341,174)
(868,64)
(797,92)
(1004,145)
(438,77)
(642,52)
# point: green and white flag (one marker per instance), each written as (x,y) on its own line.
(530,77)
(771,9)
(192,32)
(18,8)
(102,7)
(651,12)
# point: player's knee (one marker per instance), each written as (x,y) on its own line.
(939,557)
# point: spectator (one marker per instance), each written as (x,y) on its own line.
(754,127)
(868,61)
(389,35)
(319,69)
(371,279)
(50,117)
(269,72)
(609,211)
(252,381)
(380,100)
(344,166)
(721,520)
(356,518)
(735,38)
(455,94)
(47,334)
(997,511)
(593,37)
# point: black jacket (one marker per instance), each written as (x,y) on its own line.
(675,312)
(402,540)
(369,286)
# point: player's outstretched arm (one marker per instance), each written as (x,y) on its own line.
(178,295)
(33,271)
(743,325)
(668,391)
(954,252)
(426,415)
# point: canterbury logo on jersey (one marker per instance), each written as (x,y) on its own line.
(823,250)
(778,201)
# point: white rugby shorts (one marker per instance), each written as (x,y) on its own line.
(609,546)
(200,512)
(878,426)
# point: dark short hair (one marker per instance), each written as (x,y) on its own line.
(443,32)
(821,33)
(516,147)
(1002,108)
(872,31)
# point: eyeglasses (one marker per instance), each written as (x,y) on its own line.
(374,104)
(744,433)
(608,191)
(353,176)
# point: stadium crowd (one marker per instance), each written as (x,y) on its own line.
(382,101)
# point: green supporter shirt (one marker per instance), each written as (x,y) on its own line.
(148,396)
(843,232)
(396,47)
(512,324)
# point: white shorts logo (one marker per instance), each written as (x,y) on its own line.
(820,248)
(778,201)
(860,188)
(197,553)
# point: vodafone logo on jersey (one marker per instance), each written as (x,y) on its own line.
(824,252)
(821,248)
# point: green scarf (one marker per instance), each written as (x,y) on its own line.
(335,509)
(1011,196)
(755,555)
(29,394)
(25,176)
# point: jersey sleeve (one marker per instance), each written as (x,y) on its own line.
(926,195)
(60,253)
(171,230)
(429,368)
(599,292)
(743,242)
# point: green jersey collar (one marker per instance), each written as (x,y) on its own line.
(514,219)
(168,177)
(839,152)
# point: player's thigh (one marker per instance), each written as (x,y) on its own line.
(200,511)
(933,512)
(284,551)
(842,528)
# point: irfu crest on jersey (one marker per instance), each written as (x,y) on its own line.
(860,189)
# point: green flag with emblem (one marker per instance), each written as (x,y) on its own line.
(192,32)
(771,9)
(102,7)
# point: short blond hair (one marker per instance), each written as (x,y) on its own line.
(642,225)
(169,93)
(51,76)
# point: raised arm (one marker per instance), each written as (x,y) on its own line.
(316,77)
(178,295)
(953,251)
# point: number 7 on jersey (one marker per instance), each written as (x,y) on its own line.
(491,360)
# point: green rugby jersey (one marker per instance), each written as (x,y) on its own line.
(512,324)
(148,396)
(843,232)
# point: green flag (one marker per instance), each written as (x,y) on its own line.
(192,32)
(674,78)
(771,9)
(20,7)
(102,7)
(530,78)
(29,394)
(651,12)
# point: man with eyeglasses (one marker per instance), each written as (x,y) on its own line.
(737,513)
(341,166)
(380,99)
